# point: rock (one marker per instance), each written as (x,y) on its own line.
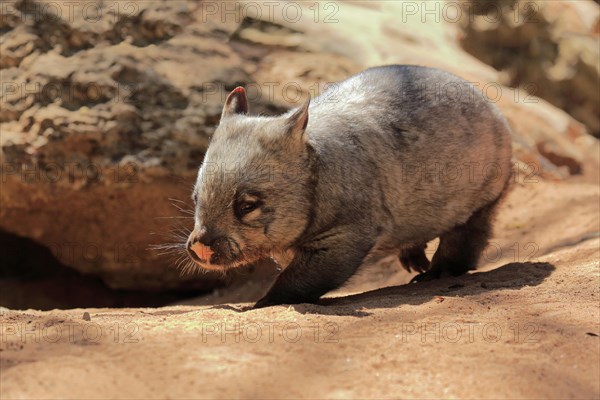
(549,48)
(92,123)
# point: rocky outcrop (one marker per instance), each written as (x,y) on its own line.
(107,110)
(548,48)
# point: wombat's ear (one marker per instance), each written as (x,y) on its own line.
(298,120)
(236,103)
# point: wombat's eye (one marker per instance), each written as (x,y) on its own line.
(246,207)
(246,203)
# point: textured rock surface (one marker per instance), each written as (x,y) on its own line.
(550,48)
(105,120)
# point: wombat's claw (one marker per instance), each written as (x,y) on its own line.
(262,303)
(426,276)
(269,301)
(277,300)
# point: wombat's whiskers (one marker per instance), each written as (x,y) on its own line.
(176,239)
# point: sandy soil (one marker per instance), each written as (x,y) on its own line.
(525,326)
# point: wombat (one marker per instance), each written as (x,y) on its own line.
(378,164)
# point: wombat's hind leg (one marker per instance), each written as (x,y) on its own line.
(414,258)
(460,248)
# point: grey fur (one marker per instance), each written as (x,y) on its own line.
(375,171)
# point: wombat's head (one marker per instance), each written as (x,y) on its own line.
(252,195)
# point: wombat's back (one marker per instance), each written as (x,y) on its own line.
(418,148)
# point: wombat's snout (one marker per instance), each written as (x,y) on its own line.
(210,248)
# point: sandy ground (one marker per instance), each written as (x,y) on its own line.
(525,325)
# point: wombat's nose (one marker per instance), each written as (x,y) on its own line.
(199,252)
(199,245)
(204,237)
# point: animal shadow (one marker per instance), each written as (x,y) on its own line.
(510,276)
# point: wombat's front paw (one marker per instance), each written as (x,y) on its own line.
(274,300)
(269,301)
(264,302)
